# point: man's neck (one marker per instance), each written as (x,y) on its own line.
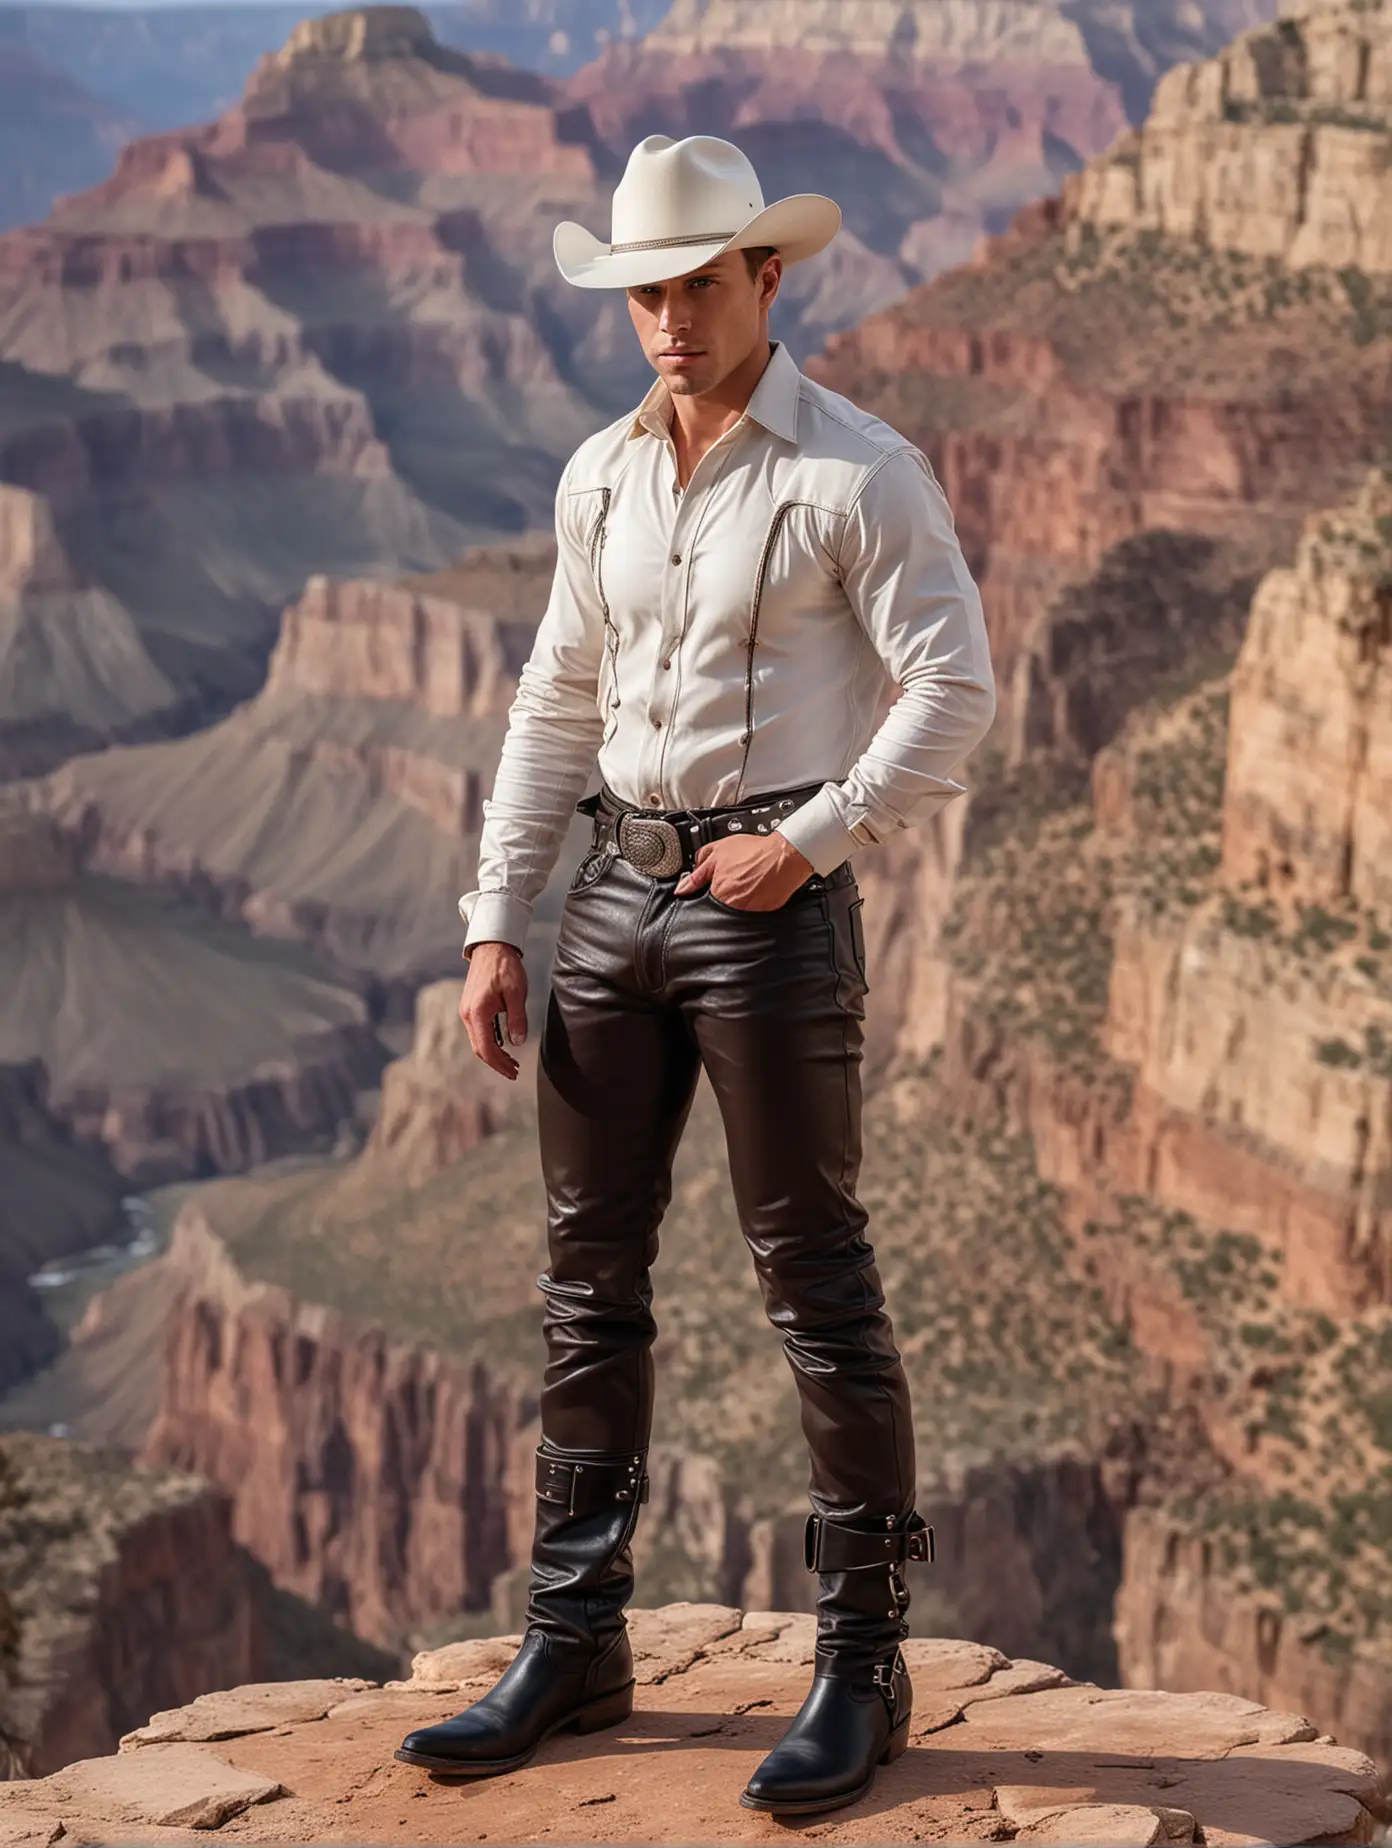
(698,422)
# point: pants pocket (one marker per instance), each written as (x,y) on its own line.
(858,935)
(808,889)
(592,868)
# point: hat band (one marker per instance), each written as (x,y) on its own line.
(670,243)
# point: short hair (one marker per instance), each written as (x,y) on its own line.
(756,256)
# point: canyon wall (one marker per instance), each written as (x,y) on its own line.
(127,1594)
(55,1198)
(392,1485)
(1178,983)
(1265,148)
(374,735)
(365,1474)
(446,655)
(1258,1026)
(1308,808)
(1179,1624)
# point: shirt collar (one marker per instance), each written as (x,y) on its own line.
(773,402)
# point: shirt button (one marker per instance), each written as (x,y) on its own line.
(654,799)
(667,663)
(657,724)
(676,558)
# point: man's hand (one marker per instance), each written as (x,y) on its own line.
(496,984)
(751,872)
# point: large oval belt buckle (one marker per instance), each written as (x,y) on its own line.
(651,845)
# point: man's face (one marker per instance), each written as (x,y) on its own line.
(697,328)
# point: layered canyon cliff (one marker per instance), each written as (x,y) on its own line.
(166,1041)
(382,714)
(124,1591)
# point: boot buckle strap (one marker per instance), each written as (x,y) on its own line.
(884,1672)
(829,1547)
(585,1488)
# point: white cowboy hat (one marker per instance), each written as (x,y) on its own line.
(681,203)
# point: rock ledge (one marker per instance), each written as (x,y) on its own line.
(1001,1751)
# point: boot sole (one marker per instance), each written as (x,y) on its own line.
(807,1806)
(608,1710)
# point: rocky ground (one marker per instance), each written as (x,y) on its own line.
(1000,1750)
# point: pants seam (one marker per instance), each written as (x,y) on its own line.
(884,1391)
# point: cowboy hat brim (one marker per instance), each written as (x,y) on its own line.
(797,227)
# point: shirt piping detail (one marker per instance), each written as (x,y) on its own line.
(780,514)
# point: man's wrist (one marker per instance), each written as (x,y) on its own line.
(818,832)
(789,854)
(494,916)
(480,943)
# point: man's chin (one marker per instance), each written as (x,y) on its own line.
(686,381)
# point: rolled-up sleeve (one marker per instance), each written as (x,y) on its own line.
(909,586)
(553,737)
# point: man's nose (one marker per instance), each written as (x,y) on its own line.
(673,316)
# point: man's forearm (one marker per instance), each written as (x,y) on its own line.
(908,583)
(547,757)
(902,775)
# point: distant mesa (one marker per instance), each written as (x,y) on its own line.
(360,33)
(1280,147)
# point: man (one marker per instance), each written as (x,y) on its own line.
(745,566)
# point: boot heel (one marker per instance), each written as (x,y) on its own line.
(608,1710)
(896,1742)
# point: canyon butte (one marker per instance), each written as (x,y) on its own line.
(1129,1128)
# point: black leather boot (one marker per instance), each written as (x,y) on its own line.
(574,1667)
(856,1714)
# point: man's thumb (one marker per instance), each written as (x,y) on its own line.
(516,999)
(700,874)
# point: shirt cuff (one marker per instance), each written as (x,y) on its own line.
(494,917)
(818,832)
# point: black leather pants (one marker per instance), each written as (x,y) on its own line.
(648,987)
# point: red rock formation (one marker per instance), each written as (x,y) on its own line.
(445,654)
(331,293)
(932,123)
(375,734)
(128,1591)
(1180,1625)
(366,1475)
(1101,377)
(1308,811)
(1242,1113)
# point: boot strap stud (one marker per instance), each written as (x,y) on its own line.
(586,1488)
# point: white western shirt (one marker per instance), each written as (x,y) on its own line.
(711,645)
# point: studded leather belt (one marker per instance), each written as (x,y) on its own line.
(665,841)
